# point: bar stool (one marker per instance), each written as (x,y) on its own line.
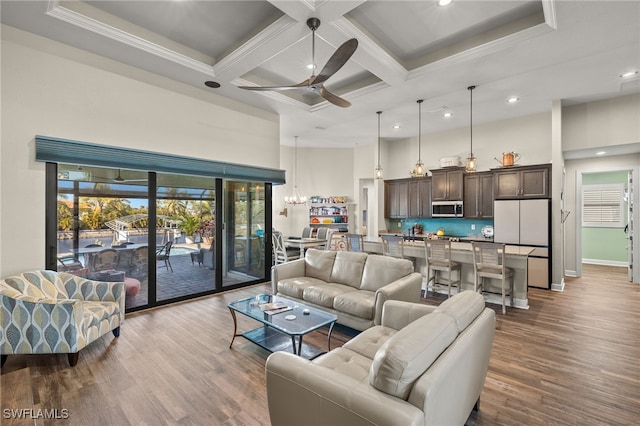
(438,254)
(355,242)
(392,246)
(488,262)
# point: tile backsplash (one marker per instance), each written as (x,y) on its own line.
(453,227)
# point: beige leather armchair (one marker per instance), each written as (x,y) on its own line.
(423,365)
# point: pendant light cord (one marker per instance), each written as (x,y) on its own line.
(420,130)
(295,165)
(379,113)
(471,117)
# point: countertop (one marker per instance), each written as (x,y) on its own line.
(455,245)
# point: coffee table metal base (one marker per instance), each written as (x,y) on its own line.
(273,341)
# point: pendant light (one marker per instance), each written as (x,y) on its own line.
(419,170)
(295,197)
(378,171)
(471,160)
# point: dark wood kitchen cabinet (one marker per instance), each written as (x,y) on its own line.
(447,184)
(396,197)
(522,182)
(478,195)
(419,198)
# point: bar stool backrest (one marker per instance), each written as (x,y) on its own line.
(392,246)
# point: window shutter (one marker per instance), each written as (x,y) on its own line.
(603,205)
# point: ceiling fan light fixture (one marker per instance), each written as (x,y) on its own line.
(295,197)
(472,161)
(378,173)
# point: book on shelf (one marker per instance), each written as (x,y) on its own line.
(273,308)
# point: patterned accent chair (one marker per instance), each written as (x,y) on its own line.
(57,312)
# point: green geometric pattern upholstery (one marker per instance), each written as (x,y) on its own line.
(56,312)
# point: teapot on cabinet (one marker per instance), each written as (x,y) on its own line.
(508,159)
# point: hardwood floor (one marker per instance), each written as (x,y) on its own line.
(571,359)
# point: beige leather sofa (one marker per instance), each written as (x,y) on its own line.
(423,365)
(353,286)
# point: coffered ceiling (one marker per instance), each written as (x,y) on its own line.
(537,50)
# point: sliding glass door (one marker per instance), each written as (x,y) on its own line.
(158,232)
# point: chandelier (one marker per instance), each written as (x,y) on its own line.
(295,197)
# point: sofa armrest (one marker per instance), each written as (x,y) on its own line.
(281,271)
(99,291)
(398,314)
(302,392)
(40,315)
(407,288)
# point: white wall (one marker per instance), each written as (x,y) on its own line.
(55,90)
(323,172)
(604,123)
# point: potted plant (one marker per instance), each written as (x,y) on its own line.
(190,225)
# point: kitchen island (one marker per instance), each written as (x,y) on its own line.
(516,259)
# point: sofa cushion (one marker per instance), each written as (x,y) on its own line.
(369,341)
(360,303)
(464,308)
(318,263)
(409,353)
(347,268)
(347,362)
(294,287)
(325,293)
(382,270)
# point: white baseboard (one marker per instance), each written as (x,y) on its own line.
(558,287)
(605,262)
(491,298)
(570,274)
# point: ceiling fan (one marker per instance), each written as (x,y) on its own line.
(315,82)
(118,179)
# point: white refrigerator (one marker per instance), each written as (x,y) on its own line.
(526,223)
(521,222)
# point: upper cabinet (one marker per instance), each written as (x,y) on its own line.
(419,198)
(396,196)
(522,182)
(478,195)
(407,198)
(447,184)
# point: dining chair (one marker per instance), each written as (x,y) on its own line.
(489,262)
(329,237)
(282,254)
(162,255)
(306,232)
(321,233)
(438,254)
(355,242)
(392,245)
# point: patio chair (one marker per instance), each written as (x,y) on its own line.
(139,262)
(162,255)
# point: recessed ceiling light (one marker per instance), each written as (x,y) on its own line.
(629,74)
(447,114)
(444,2)
(212,84)
(601,152)
(396,126)
(513,100)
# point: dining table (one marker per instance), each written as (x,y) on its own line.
(304,243)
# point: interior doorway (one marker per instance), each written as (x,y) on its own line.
(606,224)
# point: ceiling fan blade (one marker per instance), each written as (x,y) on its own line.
(258,88)
(336,61)
(334,99)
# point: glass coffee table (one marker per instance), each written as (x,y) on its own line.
(284,323)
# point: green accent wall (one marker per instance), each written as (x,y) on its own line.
(606,244)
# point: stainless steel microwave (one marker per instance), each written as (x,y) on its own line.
(446,209)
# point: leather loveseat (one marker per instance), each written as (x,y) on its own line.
(424,365)
(353,286)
